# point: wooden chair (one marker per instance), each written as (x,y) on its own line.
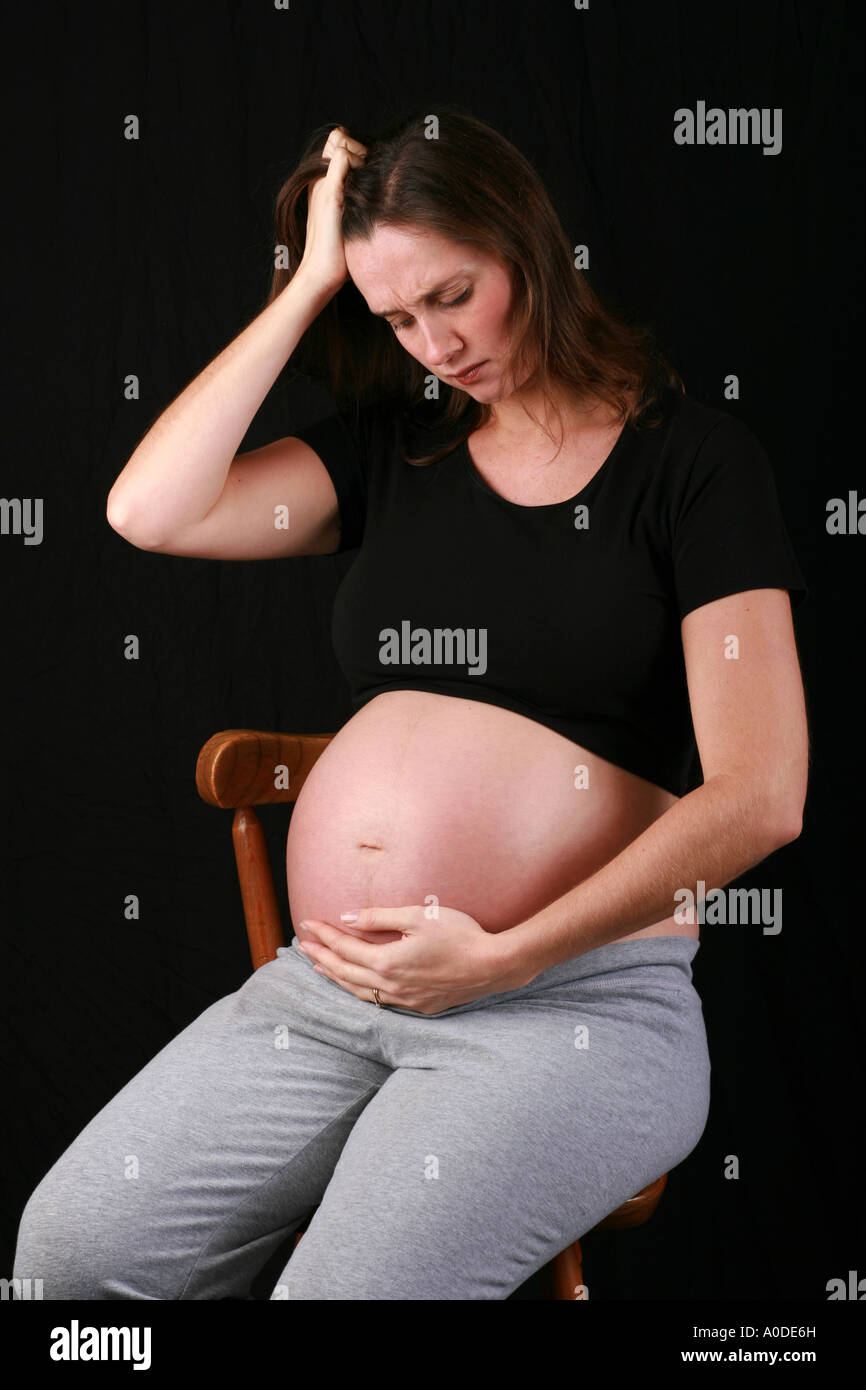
(237,769)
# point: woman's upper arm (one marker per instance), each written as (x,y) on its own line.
(747,699)
(277,501)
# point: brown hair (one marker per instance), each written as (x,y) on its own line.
(469,184)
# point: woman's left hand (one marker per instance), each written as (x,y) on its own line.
(445,958)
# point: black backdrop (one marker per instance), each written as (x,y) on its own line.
(148,257)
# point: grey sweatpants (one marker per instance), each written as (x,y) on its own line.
(450,1155)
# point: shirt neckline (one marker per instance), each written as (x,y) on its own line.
(469,467)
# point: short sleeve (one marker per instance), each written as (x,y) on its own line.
(340,440)
(729,534)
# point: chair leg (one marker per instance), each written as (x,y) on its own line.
(264,928)
(567,1274)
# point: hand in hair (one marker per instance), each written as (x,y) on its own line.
(324,256)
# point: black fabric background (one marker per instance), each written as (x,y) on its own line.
(148,257)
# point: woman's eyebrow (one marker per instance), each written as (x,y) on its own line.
(431,294)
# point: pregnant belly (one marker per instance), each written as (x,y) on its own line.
(422,794)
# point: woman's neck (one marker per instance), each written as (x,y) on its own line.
(509,419)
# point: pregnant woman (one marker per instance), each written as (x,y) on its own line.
(570,580)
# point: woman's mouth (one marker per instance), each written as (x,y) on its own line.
(470,374)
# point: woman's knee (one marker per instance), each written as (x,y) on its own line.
(73,1239)
(48,1249)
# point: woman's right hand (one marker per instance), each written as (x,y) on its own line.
(324,257)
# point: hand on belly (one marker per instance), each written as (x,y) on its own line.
(444,957)
(380,937)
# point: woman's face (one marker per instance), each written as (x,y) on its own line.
(447,302)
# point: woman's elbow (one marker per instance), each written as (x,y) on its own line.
(122,519)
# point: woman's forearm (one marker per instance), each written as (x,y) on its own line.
(713,834)
(178,471)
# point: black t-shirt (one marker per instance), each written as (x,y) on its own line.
(567,613)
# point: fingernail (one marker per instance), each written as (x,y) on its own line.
(348,916)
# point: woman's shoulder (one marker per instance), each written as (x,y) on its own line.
(687,422)
(387,418)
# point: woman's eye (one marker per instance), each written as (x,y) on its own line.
(446,304)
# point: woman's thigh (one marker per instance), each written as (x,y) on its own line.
(505,1132)
(186,1181)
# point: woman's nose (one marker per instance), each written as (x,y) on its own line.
(440,346)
